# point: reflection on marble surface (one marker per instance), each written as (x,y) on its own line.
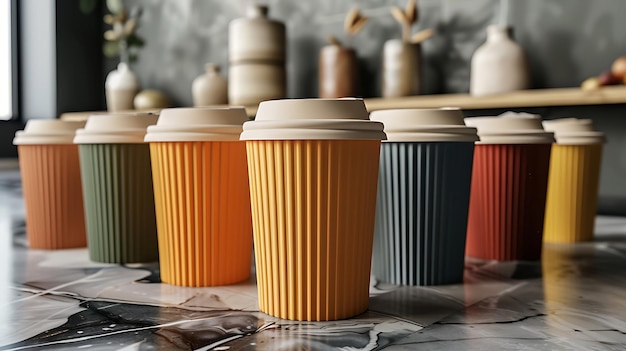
(56,300)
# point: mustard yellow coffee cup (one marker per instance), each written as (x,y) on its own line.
(201,194)
(573,181)
(313,166)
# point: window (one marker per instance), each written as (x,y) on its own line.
(6,72)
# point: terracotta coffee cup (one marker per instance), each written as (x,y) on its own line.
(509,183)
(50,170)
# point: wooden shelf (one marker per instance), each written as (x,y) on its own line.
(82,116)
(522,98)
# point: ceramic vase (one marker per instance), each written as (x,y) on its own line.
(499,65)
(401,68)
(251,83)
(210,88)
(121,86)
(338,67)
(257,58)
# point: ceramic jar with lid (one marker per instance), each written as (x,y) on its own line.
(256,37)
(210,88)
(499,65)
(257,51)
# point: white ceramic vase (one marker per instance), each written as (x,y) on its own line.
(499,65)
(121,86)
(210,88)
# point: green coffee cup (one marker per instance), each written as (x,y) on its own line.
(117,188)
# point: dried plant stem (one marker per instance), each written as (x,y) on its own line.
(353,23)
(124,56)
(410,11)
(422,35)
(401,18)
(333,41)
(406,32)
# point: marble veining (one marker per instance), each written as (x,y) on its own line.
(575,299)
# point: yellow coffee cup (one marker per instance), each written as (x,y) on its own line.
(573,180)
(201,194)
(313,166)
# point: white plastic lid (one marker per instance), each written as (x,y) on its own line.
(198,124)
(313,119)
(574,131)
(122,78)
(47,131)
(511,128)
(425,125)
(129,128)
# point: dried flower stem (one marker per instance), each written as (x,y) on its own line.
(352,24)
(407,18)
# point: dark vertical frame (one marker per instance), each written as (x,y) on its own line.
(79,58)
(15,61)
(8,128)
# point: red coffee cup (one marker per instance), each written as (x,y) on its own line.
(509,183)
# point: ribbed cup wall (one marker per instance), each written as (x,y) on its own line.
(421,212)
(53,196)
(119,203)
(572,193)
(507,202)
(313,208)
(203,212)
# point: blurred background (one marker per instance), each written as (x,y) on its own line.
(54,58)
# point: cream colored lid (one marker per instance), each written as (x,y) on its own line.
(198,124)
(425,125)
(47,131)
(129,128)
(511,128)
(312,119)
(574,131)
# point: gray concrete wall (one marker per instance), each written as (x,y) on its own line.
(566,40)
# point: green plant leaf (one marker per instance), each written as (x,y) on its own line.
(111,49)
(135,40)
(87,6)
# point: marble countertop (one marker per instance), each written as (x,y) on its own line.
(575,299)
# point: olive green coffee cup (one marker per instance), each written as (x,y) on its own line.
(117,188)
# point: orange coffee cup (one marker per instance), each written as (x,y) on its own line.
(50,171)
(201,195)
